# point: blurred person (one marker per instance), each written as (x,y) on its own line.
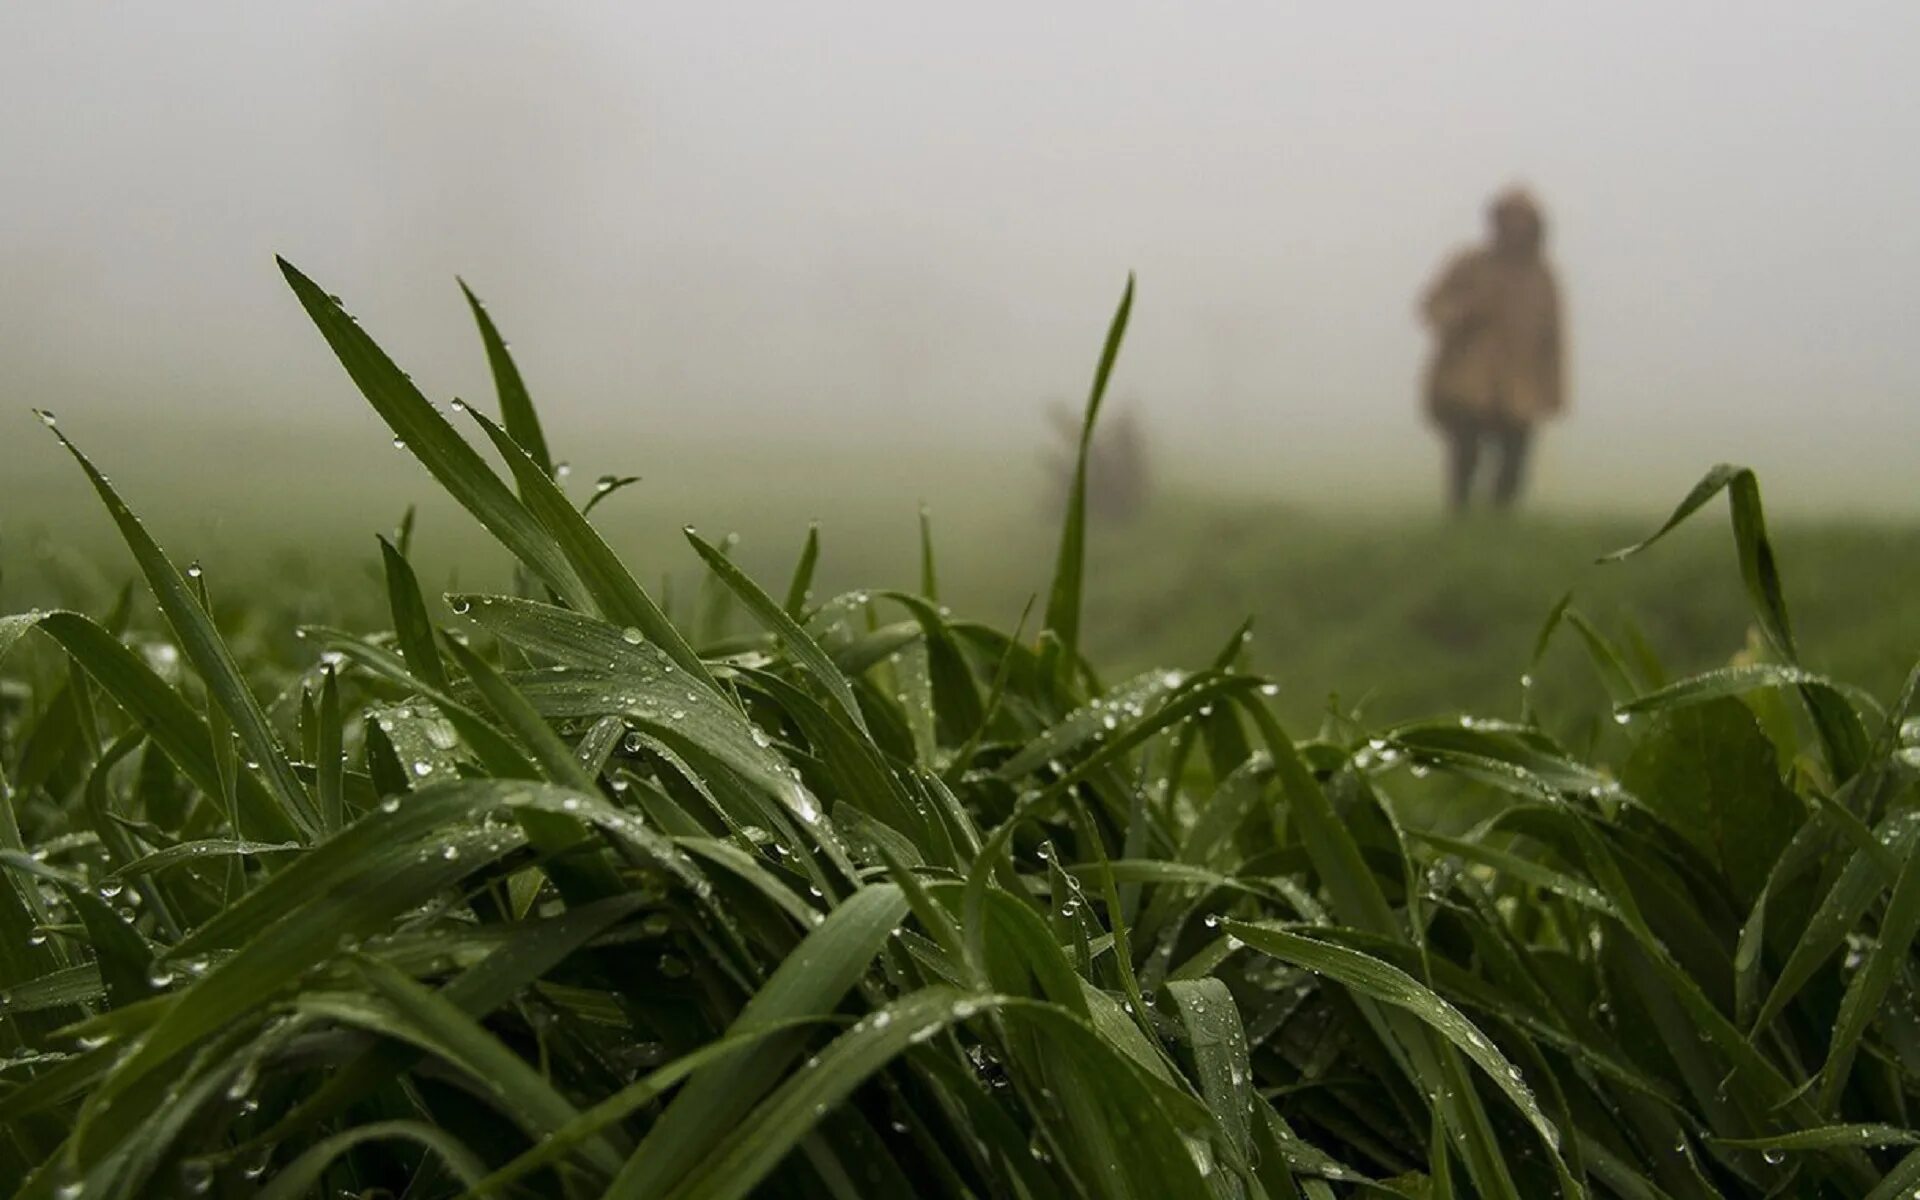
(1496,368)
(1118,481)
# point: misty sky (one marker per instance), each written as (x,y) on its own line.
(886,223)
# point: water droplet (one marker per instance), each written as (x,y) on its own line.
(457,405)
(193,569)
(110,889)
(459,604)
(47,418)
(399,443)
(423,768)
(1774,1156)
(1622,718)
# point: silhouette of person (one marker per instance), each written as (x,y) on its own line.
(1496,368)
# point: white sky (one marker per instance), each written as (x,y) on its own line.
(885,223)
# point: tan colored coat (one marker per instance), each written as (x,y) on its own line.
(1495,315)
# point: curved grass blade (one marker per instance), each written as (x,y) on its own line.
(806,652)
(1734,681)
(208,652)
(516,406)
(755,1146)
(1868,990)
(605,578)
(1757,566)
(1390,985)
(1828,1137)
(411,626)
(298,1178)
(429,438)
(808,983)
(625,1102)
(1219,1043)
(1064,601)
(1859,884)
(800,588)
(438,1026)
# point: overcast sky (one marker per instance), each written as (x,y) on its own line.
(896,223)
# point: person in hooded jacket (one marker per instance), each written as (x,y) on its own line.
(1496,369)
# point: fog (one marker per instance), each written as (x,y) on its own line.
(880,227)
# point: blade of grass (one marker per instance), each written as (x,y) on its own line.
(1064,601)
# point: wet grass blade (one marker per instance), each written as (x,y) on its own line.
(1069,573)
(809,983)
(619,596)
(411,626)
(807,652)
(428,437)
(209,654)
(517,413)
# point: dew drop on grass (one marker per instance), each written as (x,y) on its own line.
(422,768)
(47,418)
(457,405)
(399,443)
(632,636)
(459,604)
(193,569)
(1774,1157)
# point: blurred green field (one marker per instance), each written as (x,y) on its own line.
(1398,614)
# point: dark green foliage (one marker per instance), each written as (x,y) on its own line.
(556,895)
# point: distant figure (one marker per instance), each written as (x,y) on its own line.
(1495,316)
(1117,477)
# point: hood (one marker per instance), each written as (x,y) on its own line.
(1516,222)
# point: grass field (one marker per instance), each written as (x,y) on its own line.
(574,882)
(1400,615)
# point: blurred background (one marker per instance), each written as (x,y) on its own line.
(840,259)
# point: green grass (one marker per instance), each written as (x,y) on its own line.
(552,887)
